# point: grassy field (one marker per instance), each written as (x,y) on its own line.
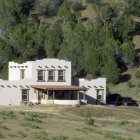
(70,123)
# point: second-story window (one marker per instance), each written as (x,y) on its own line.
(22,73)
(41,75)
(61,75)
(51,75)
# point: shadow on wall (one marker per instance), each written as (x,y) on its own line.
(92,101)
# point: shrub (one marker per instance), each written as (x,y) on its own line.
(113,136)
(124,122)
(89,119)
(98,2)
(30,125)
(42,135)
(2,136)
(60,138)
(33,117)
(3,127)
(137,74)
(8,114)
(130,84)
(77,6)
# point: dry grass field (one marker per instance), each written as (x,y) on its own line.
(69,123)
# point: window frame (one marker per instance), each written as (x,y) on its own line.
(41,75)
(53,75)
(23,94)
(62,76)
(22,73)
(99,95)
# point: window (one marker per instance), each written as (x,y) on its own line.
(25,94)
(61,75)
(99,94)
(51,75)
(40,95)
(41,75)
(22,73)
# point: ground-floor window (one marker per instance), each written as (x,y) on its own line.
(100,95)
(25,95)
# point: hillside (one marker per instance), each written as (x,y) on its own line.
(69,123)
(99,37)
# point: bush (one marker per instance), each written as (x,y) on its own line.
(8,114)
(33,117)
(77,6)
(89,119)
(137,74)
(130,84)
(30,125)
(60,138)
(98,2)
(124,122)
(3,127)
(41,136)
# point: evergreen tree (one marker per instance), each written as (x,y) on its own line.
(128,53)
(111,71)
(53,41)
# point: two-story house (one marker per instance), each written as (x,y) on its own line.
(47,81)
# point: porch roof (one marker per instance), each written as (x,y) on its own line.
(59,87)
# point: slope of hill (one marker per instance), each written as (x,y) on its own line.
(69,123)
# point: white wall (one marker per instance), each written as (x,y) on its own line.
(11,94)
(14,70)
(91,86)
(52,64)
(32,67)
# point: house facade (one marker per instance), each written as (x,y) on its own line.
(47,81)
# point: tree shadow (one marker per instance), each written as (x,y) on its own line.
(125,78)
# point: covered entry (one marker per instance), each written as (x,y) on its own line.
(61,94)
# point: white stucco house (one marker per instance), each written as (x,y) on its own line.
(48,81)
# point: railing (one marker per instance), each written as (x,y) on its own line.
(61,102)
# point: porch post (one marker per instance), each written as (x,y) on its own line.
(78,95)
(53,96)
(47,95)
(84,96)
(102,96)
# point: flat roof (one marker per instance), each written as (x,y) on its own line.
(59,87)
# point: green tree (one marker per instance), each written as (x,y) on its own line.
(73,47)
(10,13)
(111,71)
(92,61)
(53,41)
(5,53)
(128,53)
(65,12)
(133,7)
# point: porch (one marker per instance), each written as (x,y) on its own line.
(61,95)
